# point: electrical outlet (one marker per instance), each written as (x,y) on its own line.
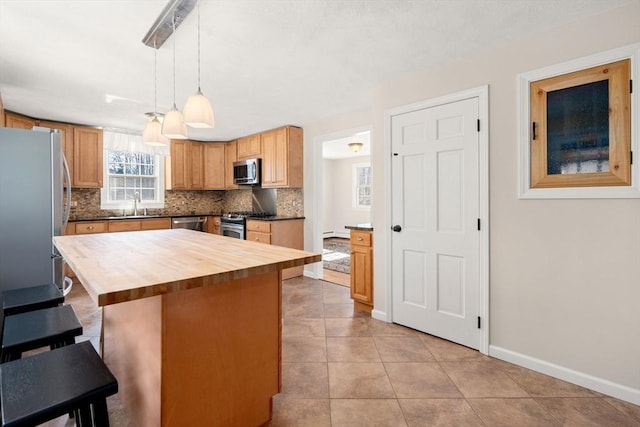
(74,204)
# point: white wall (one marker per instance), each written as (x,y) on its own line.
(337,195)
(564,274)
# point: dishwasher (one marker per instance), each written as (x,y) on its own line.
(189,222)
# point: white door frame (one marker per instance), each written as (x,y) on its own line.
(482,93)
(318,181)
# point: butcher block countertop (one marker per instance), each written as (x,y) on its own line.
(119,267)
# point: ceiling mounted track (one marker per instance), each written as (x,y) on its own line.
(162,29)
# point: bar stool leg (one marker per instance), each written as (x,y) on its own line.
(100,414)
(83,416)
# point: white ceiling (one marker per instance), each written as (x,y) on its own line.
(265,63)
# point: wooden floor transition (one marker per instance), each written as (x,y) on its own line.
(341,279)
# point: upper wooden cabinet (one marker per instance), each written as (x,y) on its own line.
(82,147)
(1,112)
(176,165)
(249,147)
(214,166)
(195,166)
(282,158)
(87,157)
(19,122)
(231,155)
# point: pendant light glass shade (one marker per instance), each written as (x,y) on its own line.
(173,125)
(197,110)
(152,134)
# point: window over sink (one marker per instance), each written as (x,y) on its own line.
(132,169)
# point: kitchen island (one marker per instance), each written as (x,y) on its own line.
(191,321)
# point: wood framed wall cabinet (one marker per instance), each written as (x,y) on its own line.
(577,128)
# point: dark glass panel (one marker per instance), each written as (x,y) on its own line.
(578,129)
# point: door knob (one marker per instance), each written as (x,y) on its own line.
(396,228)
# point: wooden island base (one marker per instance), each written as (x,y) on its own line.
(204,356)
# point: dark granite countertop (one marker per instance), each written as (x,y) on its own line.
(121,217)
(276,218)
(361,227)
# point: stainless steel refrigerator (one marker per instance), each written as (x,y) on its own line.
(32,209)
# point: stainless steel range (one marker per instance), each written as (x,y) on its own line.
(234,224)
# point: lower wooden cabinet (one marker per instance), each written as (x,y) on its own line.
(362,269)
(288,233)
(213,225)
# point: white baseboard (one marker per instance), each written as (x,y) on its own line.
(380,315)
(600,385)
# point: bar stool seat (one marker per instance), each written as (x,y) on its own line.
(54,327)
(48,385)
(21,300)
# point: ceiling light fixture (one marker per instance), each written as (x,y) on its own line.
(173,126)
(197,110)
(152,134)
(355,146)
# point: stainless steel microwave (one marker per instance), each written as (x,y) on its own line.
(247,172)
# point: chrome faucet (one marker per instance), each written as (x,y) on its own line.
(136,200)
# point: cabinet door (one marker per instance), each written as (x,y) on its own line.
(195,166)
(18,122)
(66,136)
(178,174)
(361,272)
(231,155)
(214,161)
(274,158)
(87,157)
(249,147)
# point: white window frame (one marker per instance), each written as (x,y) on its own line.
(525,191)
(354,180)
(105,203)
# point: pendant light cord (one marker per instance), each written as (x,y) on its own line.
(199,90)
(155,79)
(174,62)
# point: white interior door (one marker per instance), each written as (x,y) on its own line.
(435,190)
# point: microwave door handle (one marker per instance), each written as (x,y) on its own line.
(255,171)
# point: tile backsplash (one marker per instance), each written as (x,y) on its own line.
(188,202)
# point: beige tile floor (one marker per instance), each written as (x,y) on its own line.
(343,368)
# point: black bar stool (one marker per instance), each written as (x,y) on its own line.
(48,385)
(21,300)
(54,327)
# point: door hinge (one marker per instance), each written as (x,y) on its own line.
(478,224)
(631,157)
(630,86)
(478,322)
(478,125)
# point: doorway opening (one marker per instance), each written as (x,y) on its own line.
(346,199)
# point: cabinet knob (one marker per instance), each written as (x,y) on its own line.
(360,238)
(90,227)
(396,228)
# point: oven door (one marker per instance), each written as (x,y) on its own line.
(232,230)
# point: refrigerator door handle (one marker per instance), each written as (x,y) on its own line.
(67,210)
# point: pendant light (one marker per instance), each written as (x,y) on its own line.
(152,134)
(173,125)
(197,110)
